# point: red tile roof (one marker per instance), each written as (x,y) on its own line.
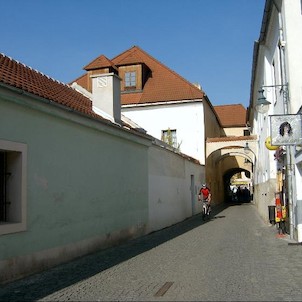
(231,115)
(99,62)
(18,75)
(163,85)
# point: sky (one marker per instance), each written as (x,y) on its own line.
(209,42)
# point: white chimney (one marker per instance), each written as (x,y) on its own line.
(106,94)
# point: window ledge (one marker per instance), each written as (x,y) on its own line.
(10,227)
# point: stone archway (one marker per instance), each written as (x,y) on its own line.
(227,154)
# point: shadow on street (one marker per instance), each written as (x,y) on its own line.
(45,283)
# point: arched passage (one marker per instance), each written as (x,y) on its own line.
(237,191)
(226,157)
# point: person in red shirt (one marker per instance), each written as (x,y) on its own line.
(205,196)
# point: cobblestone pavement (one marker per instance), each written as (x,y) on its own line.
(232,257)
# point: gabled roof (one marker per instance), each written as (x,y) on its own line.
(129,57)
(163,85)
(231,115)
(17,75)
(99,62)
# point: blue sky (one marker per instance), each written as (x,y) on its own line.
(205,41)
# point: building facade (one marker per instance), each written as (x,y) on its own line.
(76,176)
(277,72)
(160,100)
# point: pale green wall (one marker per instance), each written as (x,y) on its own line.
(89,185)
(81,182)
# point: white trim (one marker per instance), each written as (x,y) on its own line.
(161,103)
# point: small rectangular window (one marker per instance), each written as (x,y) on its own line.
(246,132)
(130,79)
(12,187)
(169,137)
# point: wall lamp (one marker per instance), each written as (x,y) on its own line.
(246,148)
(262,104)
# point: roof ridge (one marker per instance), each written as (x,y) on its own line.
(230,105)
(33,69)
(79,77)
(193,87)
(100,59)
(127,50)
(16,74)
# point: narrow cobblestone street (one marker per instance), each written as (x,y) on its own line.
(233,257)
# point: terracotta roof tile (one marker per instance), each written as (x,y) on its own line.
(231,115)
(99,62)
(163,85)
(130,98)
(128,57)
(82,81)
(20,76)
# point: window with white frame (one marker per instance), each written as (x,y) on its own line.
(12,187)
(169,137)
(130,79)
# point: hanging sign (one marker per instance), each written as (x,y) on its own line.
(286,129)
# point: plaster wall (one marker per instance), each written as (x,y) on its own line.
(90,185)
(186,118)
(174,183)
(264,196)
(85,184)
(293,31)
(235,131)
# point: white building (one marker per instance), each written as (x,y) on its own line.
(277,68)
(160,100)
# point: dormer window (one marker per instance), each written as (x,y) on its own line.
(134,77)
(130,79)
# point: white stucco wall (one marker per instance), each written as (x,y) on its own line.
(235,131)
(285,30)
(174,183)
(293,32)
(186,118)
